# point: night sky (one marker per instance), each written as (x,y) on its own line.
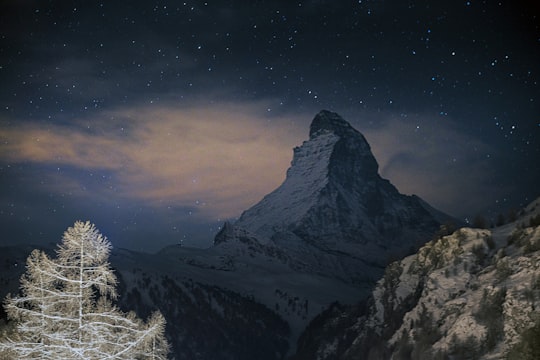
(158,120)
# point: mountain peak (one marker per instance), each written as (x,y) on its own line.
(333,198)
(328,121)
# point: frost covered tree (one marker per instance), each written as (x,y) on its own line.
(65,310)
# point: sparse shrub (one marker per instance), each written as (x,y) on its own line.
(490,314)
(404,347)
(440,355)
(529,346)
(528,294)
(515,237)
(534,221)
(502,270)
(435,258)
(531,245)
(535,282)
(501,253)
(391,274)
(425,335)
(445,229)
(478,251)
(468,349)
(461,236)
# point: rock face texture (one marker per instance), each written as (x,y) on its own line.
(334,200)
(473,294)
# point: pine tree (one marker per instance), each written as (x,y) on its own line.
(66,310)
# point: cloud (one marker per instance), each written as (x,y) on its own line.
(219,158)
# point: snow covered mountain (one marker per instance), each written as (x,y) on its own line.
(325,235)
(474,294)
(334,209)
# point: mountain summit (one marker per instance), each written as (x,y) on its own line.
(334,200)
(329,121)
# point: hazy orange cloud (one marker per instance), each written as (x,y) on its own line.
(221,158)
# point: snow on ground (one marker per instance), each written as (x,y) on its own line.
(307,175)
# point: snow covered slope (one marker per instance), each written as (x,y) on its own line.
(474,294)
(272,287)
(333,202)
